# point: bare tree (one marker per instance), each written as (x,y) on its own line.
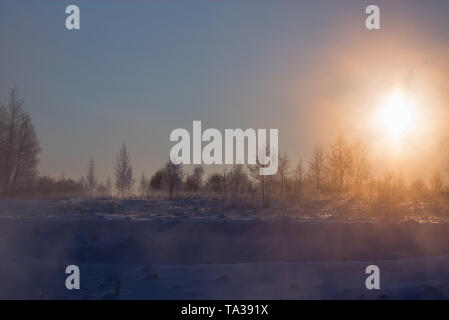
(361,166)
(418,190)
(266,182)
(282,173)
(144,186)
(391,189)
(194,180)
(19,147)
(123,172)
(91,179)
(299,180)
(316,164)
(224,183)
(237,179)
(214,183)
(108,186)
(198,173)
(340,162)
(157,180)
(172,177)
(101,190)
(436,184)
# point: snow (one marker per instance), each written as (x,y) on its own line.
(195,249)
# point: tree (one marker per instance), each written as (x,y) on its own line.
(123,172)
(282,172)
(157,180)
(224,183)
(436,184)
(190,183)
(172,177)
(194,180)
(316,164)
(63,186)
(102,190)
(198,173)
(299,180)
(265,181)
(108,186)
(91,179)
(391,189)
(144,186)
(340,162)
(361,166)
(214,182)
(418,190)
(19,147)
(237,179)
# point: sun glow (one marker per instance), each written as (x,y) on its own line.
(397,115)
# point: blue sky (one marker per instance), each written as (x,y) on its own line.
(139,69)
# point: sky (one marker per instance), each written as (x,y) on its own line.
(136,70)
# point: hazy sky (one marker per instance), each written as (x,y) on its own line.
(139,69)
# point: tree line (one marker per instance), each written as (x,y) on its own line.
(342,171)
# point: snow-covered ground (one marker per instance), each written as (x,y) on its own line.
(195,249)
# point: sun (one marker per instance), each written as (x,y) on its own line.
(397,115)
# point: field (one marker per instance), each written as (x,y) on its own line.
(196,249)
